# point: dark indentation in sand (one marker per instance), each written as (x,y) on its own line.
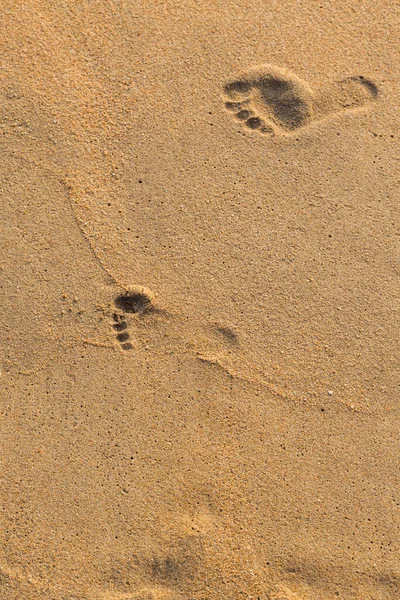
(127,346)
(390,581)
(180,565)
(120,326)
(133,302)
(167,569)
(291,112)
(243,115)
(370,85)
(274,101)
(254,122)
(123,337)
(238,87)
(233,105)
(228,333)
(273,88)
(282,98)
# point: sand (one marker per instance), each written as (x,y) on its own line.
(199,276)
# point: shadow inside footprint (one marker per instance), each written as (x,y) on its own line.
(137,301)
(280,97)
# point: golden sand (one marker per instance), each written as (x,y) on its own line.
(199,275)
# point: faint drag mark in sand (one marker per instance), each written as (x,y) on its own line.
(275,101)
(249,375)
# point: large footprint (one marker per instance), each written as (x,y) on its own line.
(273,100)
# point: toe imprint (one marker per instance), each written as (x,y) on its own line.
(120,326)
(254,122)
(243,115)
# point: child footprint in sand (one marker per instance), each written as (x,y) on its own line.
(135,300)
(273,100)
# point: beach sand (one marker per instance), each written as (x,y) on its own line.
(199,275)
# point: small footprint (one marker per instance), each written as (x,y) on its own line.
(274,101)
(135,300)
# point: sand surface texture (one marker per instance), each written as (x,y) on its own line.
(199,262)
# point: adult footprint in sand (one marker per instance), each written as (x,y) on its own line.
(273,100)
